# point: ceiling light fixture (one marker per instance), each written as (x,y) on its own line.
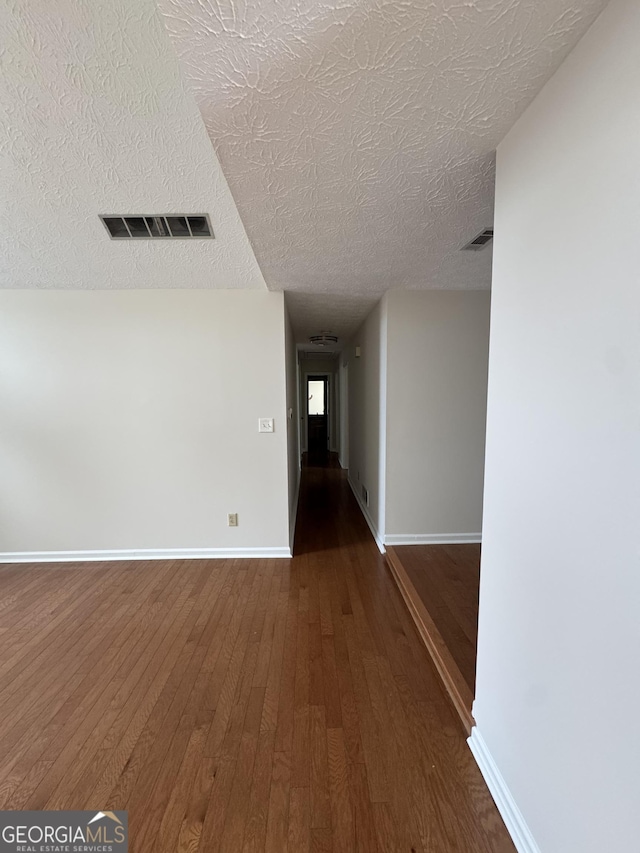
(324,339)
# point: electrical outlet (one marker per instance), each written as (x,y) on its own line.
(232,519)
(265,425)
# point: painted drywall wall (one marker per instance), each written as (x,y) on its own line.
(438,349)
(343,391)
(559,634)
(129,420)
(293,447)
(367,415)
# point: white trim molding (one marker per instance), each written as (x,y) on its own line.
(144,554)
(368,519)
(511,814)
(432,538)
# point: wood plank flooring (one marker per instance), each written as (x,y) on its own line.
(281,705)
(447,580)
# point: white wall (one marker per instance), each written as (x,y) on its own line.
(343,392)
(129,420)
(438,344)
(559,639)
(293,447)
(367,414)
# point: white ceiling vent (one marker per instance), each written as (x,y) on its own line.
(479,242)
(316,354)
(152,227)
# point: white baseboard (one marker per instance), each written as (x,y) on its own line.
(511,814)
(143,554)
(432,538)
(368,518)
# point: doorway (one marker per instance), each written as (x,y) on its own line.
(318,417)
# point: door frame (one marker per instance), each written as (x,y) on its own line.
(305,373)
(326,378)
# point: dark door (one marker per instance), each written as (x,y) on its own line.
(317,417)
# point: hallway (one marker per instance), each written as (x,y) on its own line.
(239,705)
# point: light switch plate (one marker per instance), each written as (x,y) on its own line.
(265,425)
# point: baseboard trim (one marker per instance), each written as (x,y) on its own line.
(432,538)
(450,675)
(511,814)
(367,518)
(144,554)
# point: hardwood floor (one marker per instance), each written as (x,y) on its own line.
(452,680)
(281,705)
(447,579)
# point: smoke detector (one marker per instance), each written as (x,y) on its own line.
(324,339)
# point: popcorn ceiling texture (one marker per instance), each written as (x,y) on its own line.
(96,120)
(357,136)
(336,312)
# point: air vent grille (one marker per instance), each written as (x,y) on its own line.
(326,355)
(479,242)
(164,227)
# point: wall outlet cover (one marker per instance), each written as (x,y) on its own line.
(265,425)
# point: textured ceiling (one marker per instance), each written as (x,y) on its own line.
(357,136)
(338,313)
(96,120)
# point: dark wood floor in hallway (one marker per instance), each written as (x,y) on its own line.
(263,705)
